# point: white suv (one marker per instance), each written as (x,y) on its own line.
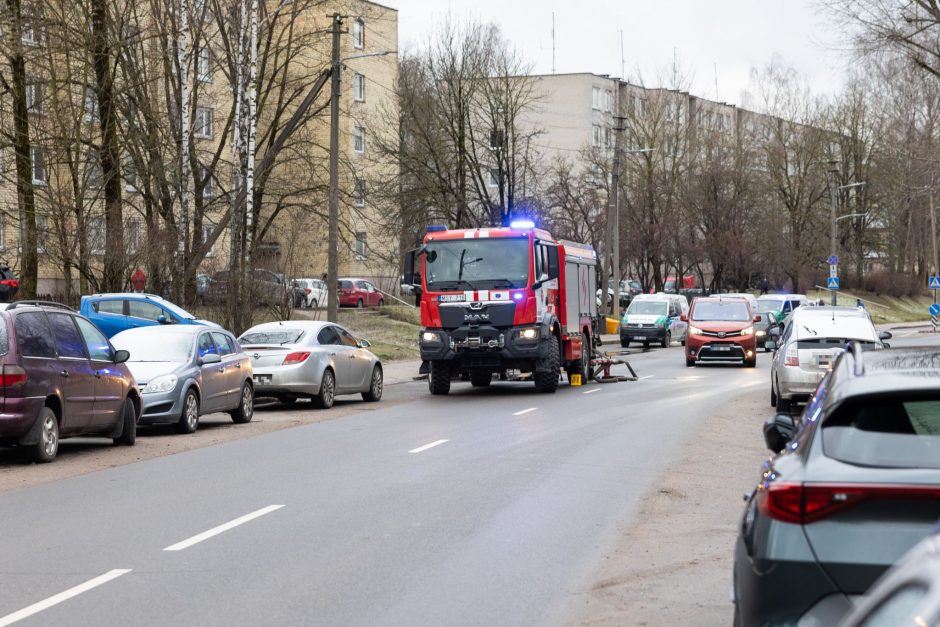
(316,292)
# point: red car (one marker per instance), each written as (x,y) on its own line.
(359,293)
(721,329)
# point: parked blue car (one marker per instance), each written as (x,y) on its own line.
(113,313)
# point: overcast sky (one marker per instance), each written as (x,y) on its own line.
(727,37)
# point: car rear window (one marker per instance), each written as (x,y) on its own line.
(888,432)
(272,336)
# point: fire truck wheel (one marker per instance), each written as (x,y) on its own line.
(480,379)
(547,381)
(583,365)
(439,378)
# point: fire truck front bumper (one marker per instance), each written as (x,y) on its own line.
(486,347)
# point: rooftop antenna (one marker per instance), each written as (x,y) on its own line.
(553,42)
(717,97)
(622,62)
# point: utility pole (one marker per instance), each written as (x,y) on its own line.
(183,60)
(933,236)
(615,227)
(332,274)
(833,225)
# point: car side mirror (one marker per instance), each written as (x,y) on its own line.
(778,431)
(757,318)
(774,332)
(363,344)
(209,358)
(885,335)
(162,320)
(120,356)
(684,318)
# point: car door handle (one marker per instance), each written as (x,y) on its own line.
(238,365)
(221,369)
(64,373)
(97,374)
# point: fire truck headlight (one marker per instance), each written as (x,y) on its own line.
(529,334)
(430,336)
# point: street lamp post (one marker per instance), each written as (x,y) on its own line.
(834,221)
(614,207)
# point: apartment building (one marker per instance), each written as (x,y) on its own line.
(290,218)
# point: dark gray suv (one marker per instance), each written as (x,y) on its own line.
(60,377)
(855,488)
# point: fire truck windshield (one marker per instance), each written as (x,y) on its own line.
(488,263)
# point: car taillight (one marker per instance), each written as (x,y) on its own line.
(296,358)
(308,290)
(10,282)
(12,376)
(805,504)
(791,358)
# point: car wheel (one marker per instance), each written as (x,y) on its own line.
(783,404)
(374,395)
(45,449)
(314,304)
(689,363)
(624,343)
(439,378)
(359,303)
(129,428)
(189,419)
(246,406)
(324,400)
(773,395)
(682,342)
(752,363)
(381,302)
(480,379)
(667,341)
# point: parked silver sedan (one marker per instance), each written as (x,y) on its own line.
(317,360)
(185,371)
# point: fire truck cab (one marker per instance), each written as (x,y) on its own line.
(501,299)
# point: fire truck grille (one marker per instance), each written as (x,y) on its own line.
(498,315)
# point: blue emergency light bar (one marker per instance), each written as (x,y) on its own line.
(522,224)
(436,228)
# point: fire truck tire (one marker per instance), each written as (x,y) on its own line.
(480,379)
(547,381)
(439,378)
(583,365)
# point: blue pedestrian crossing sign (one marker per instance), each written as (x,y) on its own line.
(934,282)
(934,310)
(833,260)
(833,283)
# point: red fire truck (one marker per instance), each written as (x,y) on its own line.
(503,299)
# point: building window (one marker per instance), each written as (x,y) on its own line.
(204,177)
(360,245)
(130,175)
(637,106)
(359,87)
(42,232)
(203,126)
(34,98)
(3,230)
(608,100)
(206,234)
(91,106)
(360,193)
(595,135)
(96,236)
(93,165)
(132,236)
(596,98)
(492,178)
(32,34)
(359,33)
(359,139)
(204,65)
(38,158)
(607,137)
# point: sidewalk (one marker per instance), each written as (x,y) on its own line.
(400,371)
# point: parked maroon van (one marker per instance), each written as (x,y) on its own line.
(59,378)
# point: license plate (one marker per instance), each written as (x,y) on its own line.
(721,348)
(451,298)
(262,379)
(823,360)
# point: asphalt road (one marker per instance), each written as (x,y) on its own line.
(486,507)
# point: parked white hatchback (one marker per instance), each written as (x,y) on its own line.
(809,345)
(315,292)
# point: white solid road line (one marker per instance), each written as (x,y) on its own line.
(45,604)
(591,391)
(525,411)
(427,446)
(649,376)
(205,535)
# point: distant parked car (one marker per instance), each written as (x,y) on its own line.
(9,285)
(61,378)
(810,343)
(305,359)
(113,313)
(782,305)
(854,486)
(359,293)
(908,594)
(264,287)
(314,292)
(187,371)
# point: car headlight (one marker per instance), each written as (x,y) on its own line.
(747,331)
(529,334)
(166,383)
(430,336)
(695,331)
(761,333)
